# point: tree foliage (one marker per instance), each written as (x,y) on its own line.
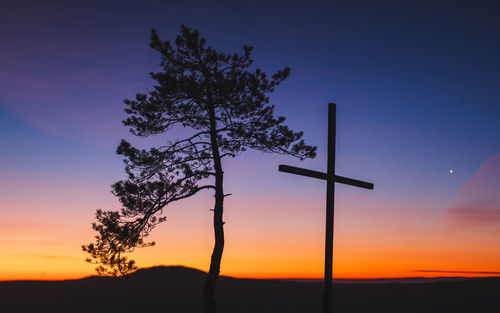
(225,106)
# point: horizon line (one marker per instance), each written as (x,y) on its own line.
(490,274)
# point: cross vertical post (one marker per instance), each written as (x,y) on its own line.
(330,208)
(331,179)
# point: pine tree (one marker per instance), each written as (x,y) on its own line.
(225,105)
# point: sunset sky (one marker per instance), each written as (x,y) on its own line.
(417,90)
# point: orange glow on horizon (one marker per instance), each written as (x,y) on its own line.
(273,236)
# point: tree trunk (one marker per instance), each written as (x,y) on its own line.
(213,273)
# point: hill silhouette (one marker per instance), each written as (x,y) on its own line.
(179,289)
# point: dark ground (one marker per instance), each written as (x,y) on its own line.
(178,289)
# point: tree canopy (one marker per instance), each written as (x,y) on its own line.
(225,106)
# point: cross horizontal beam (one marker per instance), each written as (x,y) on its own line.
(324,176)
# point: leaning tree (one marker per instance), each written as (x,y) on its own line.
(224,107)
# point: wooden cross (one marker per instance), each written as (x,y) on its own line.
(330,178)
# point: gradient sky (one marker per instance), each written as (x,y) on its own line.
(417,88)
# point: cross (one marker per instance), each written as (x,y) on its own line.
(330,178)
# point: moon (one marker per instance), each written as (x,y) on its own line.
(451,171)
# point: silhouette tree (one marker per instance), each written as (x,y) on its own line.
(225,107)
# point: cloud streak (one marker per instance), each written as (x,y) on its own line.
(457,272)
(15,227)
(478,201)
(475,214)
(47,256)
